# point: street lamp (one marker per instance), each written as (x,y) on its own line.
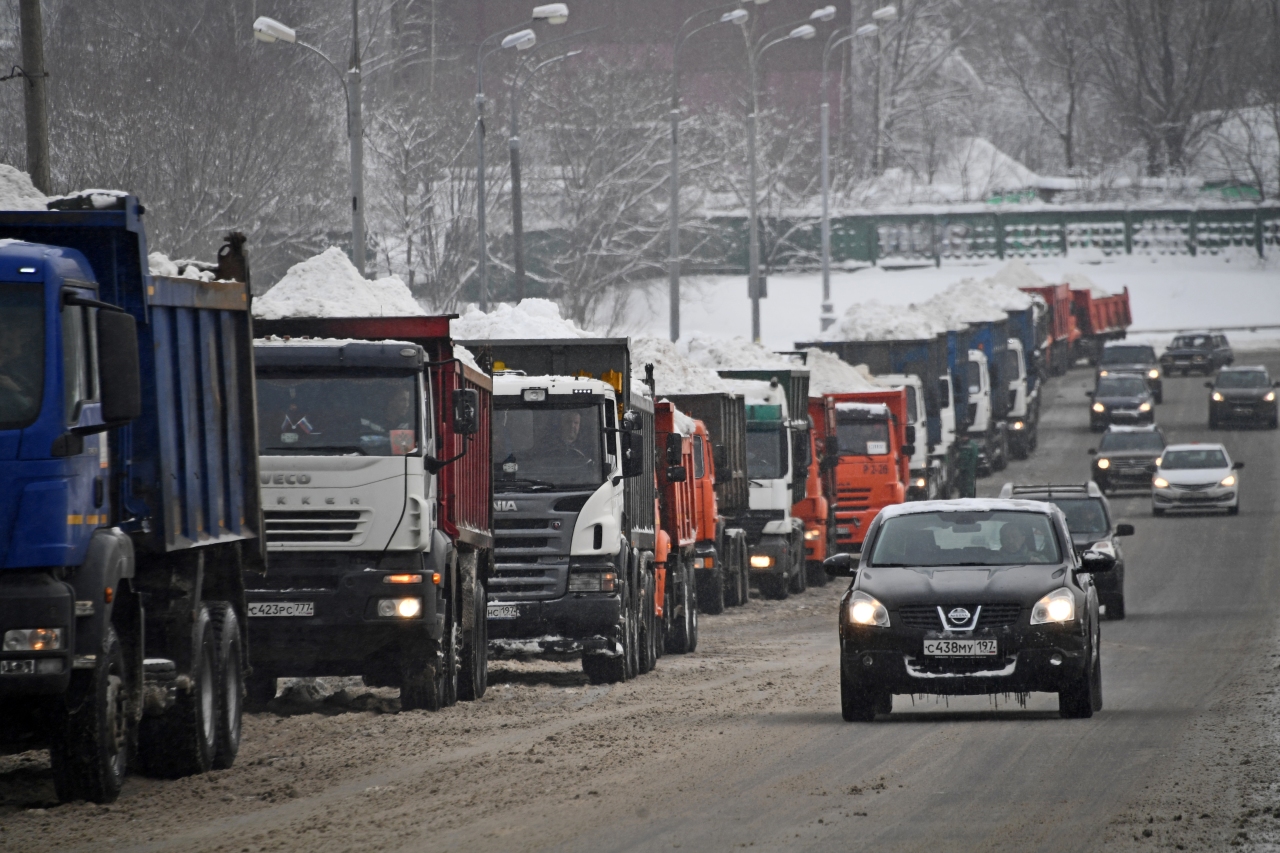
(881,16)
(268,31)
(796,30)
(737,16)
(551,13)
(828,317)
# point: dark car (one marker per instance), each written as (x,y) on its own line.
(1092,527)
(969,597)
(1203,352)
(1242,395)
(1123,399)
(1126,457)
(1137,359)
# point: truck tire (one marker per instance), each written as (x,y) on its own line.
(473,680)
(799,577)
(711,598)
(259,689)
(648,620)
(631,630)
(421,684)
(183,740)
(226,637)
(773,587)
(683,637)
(93,733)
(735,593)
(814,575)
(602,669)
(451,663)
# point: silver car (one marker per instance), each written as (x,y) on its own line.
(1195,477)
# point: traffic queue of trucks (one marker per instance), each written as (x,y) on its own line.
(192,514)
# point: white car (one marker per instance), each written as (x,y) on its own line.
(1196,476)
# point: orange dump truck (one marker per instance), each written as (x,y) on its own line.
(872,471)
(817,508)
(676,599)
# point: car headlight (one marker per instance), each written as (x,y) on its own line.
(761,561)
(1270,397)
(1216,397)
(1104,464)
(1098,407)
(1103,373)
(1144,407)
(1055,608)
(865,610)
(33,640)
(1160,483)
(1229,480)
(1153,374)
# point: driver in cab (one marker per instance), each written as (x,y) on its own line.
(566,445)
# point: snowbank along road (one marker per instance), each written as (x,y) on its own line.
(742,745)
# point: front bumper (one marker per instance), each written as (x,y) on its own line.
(777,549)
(36,600)
(1123,477)
(1186,362)
(590,621)
(1181,498)
(1121,416)
(851,527)
(1243,411)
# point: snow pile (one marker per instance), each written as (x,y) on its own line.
(1080,281)
(640,389)
(673,373)
(328,285)
(870,410)
(758,392)
(532,318)
(720,353)
(158,263)
(875,321)
(1007,283)
(17,192)
(684,424)
(465,356)
(972,170)
(829,374)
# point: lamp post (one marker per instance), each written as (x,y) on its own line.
(881,16)
(804,31)
(552,13)
(828,318)
(269,30)
(737,16)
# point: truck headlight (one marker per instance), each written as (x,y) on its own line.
(33,640)
(1103,373)
(1057,607)
(921,482)
(1017,425)
(1160,483)
(812,533)
(1216,396)
(405,608)
(593,582)
(1104,464)
(865,610)
(1099,408)
(761,561)
(1153,374)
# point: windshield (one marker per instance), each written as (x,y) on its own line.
(863,438)
(1011,361)
(975,377)
(1127,355)
(21,354)
(1185,460)
(1084,515)
(337,415)
(1243,379)
(1120,441)
(912,410)
(1191,342)
(556,445)
(1121,386)
(990,538)
(767,453)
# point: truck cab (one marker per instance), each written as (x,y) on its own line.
(927,474)
(1024,400)
(777,462)
(875,447)
(984,428)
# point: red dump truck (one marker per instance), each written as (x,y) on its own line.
(1100,318)
(674,434)
(817,509)
(874,446)
(1063,329)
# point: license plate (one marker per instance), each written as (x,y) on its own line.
(504,611)
(17,667)
(960,648)
(282,608)
(1242,410)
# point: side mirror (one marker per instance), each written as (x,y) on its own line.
(677,474)
(466,411)
(120,386)
(840,566)
(908,450)
(1096,561)
(1124,529)
(829,463)
(631,421)
(911,436)
(720,455)
(831,447)
(632,455)
(1092,451)
(1236,466)
(675,448)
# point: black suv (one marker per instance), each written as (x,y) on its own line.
(1204,352)
(1242,395)
(969,597)
(1138,359)
(1126,457)
(1092,528)
(1121,399)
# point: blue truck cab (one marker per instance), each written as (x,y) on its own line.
(128,499)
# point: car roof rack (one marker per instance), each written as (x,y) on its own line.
(1052,490)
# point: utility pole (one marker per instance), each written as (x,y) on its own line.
(355,133)
(34,95)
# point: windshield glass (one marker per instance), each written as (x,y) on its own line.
(912,410)
(1183,460)
(990,538)
(556,445)
(1191,342)
(766,453)
(1011,362)
(336,415)
(862,438)
(975,377)
(1243,379)
(1121,386)
(1114,442)
(21,354)
(1084,515)
(1128,355)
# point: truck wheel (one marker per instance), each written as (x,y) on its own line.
(799,578)
(631,631)
(473,680)
(421,685)
(814,575)
(772,587)
(711,589)
(259,689)
(226,637)
(683,637)
(451,664)
(183,740)
(602,669)
(648,621)
(735,593)
(93,732)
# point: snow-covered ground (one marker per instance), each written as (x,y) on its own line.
(1166,292)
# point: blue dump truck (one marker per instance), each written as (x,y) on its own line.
(128,498)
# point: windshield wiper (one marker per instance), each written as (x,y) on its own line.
(321,450)
(533,484)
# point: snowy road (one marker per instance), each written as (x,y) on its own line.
(741,744)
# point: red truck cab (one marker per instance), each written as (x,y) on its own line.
(874,459)
(675,591)
(815,510)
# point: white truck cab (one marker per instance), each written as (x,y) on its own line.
(925,474)
(983,426)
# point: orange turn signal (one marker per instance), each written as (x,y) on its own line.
(108,595)
(435,578)
(402,579)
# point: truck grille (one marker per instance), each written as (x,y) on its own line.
(925,616)
(853,498)
(317,526)
(754,520)
(528,581)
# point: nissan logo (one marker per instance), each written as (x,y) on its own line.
(958,616)
(285,479)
